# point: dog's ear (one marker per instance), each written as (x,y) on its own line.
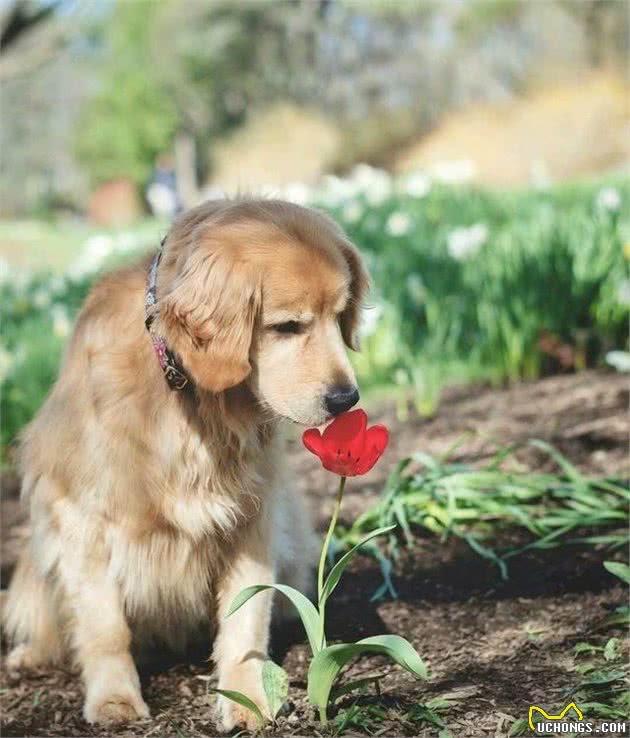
(208,317)
(359,285)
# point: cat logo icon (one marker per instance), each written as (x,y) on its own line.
(546,716)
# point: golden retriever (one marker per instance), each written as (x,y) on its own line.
(151,507)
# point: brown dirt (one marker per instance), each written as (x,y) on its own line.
(493,647)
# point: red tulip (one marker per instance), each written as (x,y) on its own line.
(348,447)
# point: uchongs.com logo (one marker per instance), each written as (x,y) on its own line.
(570,721)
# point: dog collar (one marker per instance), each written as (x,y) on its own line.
(173,371)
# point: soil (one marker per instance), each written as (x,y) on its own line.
(493,647)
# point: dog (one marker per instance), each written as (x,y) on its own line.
(153,472)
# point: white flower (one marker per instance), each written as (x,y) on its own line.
(352,212)
(623,292)
(9,361)
(378,192)
(297,192)
(417,184)
(619,360)
(41,299)
(370,319)
(464,242)
(126,242)
(60,320)
(454,172)
(375,184)
(97,248)
(608,199)
(398,224)
(336,191)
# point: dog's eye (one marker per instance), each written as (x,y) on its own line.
(291,326)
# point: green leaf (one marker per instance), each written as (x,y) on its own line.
(241,699)
(487,553)
(276,685)
(611,649)
(335,573)
(619,569)
(327,664)
(519,727)
(306,609)
(583,647)
(621,616)
(567,467)
(361,684)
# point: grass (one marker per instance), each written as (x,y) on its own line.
(447,498)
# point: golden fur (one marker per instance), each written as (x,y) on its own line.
(151,509)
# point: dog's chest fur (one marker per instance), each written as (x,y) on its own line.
(164,517)
(206,494)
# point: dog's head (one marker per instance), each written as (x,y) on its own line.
(266,293)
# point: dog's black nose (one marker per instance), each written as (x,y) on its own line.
(340,398)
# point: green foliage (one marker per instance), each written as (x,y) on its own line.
(243,700)
(335,573)
(546,263)
(305,608)
(35,323)
(163,70)
(448,498)
(602,692)
(481,15)
(275,682)
(131,119)
(328,661)
(359,717)
(276,686)
(619,569)
(38,310)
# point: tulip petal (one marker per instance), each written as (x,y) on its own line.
(376,440)
(313,441)
(345,436)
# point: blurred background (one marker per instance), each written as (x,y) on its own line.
(475,150)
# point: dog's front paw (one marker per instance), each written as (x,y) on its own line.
(247,679)
(115,708)
(233,715)
(23,658)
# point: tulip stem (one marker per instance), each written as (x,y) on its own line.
(324,554)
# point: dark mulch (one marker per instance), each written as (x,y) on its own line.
(493,647)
